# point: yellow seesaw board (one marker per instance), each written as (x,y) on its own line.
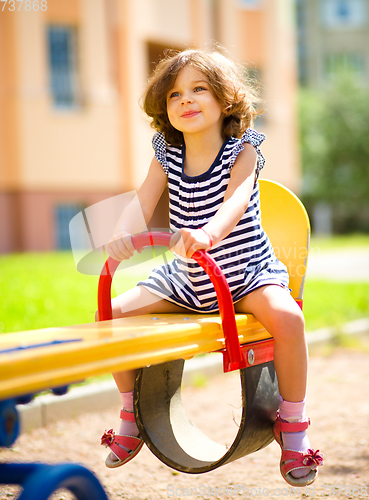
(27,365)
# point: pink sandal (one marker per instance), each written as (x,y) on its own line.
(292,460)
(115,442)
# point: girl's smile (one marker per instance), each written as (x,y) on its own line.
(190,114)
(191,104)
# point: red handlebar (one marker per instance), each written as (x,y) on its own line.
(226,308)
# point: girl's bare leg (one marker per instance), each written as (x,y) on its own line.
(274,307)
(278,312)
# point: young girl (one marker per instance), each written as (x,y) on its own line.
(210,159)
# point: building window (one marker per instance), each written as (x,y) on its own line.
(64,213)
(62,52)
(248,4)
(343,13)
(338,64)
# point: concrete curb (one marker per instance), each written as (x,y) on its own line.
(329,335)
(48,409)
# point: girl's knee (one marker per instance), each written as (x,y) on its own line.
(288,324)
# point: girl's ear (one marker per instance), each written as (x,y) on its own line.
(227,110)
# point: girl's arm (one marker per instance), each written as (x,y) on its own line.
(131,222)
(236,200)
(237,195)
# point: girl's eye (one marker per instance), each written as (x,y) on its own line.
(173,94)
(199,89)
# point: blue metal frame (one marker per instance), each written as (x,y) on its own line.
(39,480)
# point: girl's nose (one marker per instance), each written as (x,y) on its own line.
(186,99)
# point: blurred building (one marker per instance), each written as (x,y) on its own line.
(71,76)
(333,36)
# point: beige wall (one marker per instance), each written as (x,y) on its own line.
(9,118)
(66,149)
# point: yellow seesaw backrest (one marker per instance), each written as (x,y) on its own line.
(286,223)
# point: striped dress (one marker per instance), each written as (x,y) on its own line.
(245,256)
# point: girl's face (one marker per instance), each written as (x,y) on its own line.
(191,105)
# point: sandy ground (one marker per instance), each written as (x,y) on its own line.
(338,405)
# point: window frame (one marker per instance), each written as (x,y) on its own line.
(66,68)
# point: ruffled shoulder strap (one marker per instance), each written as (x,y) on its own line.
(255,139)
(160,148)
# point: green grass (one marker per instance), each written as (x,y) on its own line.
(331,303)
(43,290)
(46,290)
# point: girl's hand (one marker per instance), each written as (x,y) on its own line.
(120,247)
(186,242)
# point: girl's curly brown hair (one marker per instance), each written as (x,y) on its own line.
(226,79)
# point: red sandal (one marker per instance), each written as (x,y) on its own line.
(292,460)
(115,442)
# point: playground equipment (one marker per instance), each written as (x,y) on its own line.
(57,357)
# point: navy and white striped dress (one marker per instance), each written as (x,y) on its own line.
(245,255)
